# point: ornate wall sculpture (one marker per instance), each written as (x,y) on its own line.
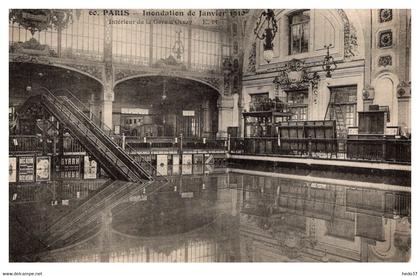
(252,58)
(350,36)
(404,89)
(30,59)
(91,69)
(385,15)
(385,39)
(295,76)
(227,72)
(385,61)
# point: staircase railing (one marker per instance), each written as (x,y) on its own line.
(85,134)
(106,131)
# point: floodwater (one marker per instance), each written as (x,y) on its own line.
(202,214)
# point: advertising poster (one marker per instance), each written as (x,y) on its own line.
(12,169)
(186,159)
(43,168)
(162,164)
(175,159)
(186,164)
(26,169)
(90,168)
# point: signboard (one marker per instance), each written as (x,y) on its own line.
(43,168)
(392,131)
(135,111)
(90,168)
(26,169)
(117,129)
(70,167)
(353,131)
(188,113)
(12,169)
(187,195)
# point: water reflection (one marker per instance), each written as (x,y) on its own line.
(216,216)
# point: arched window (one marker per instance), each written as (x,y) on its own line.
(299,32)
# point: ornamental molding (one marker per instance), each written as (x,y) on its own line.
(124,73)
(31,47)
(252,58)
(90,69)
(25,58)
(215,82)
(170,62)
(295,76)
(385,39)
(404,89)
(368,92)
(385,15)
(385,61)
(350,36)
(38,20)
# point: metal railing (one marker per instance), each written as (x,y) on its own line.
(85,134)
(382,150)
(172,143)
(25,143)
(107,132)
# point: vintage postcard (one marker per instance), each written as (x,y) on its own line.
(210,135)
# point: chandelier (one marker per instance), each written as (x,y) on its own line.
(268,19)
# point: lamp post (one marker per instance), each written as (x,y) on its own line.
(270,31)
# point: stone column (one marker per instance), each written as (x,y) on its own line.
(206,119)
(107,109)
(108,76)
(225,107)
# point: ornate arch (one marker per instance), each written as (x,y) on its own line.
(213,82)
(91,71)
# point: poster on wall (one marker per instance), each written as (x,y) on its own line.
(175,159)
(90,168)
(12,169)
(162,164)
(26,169)
(186,159)
(43,168)
(70,167)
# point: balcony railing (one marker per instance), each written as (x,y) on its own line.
(380,150)
(173,143)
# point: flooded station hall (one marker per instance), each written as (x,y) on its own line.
(278,135)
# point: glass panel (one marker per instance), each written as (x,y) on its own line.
(299,32)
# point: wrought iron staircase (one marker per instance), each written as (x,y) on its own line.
(115,161)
